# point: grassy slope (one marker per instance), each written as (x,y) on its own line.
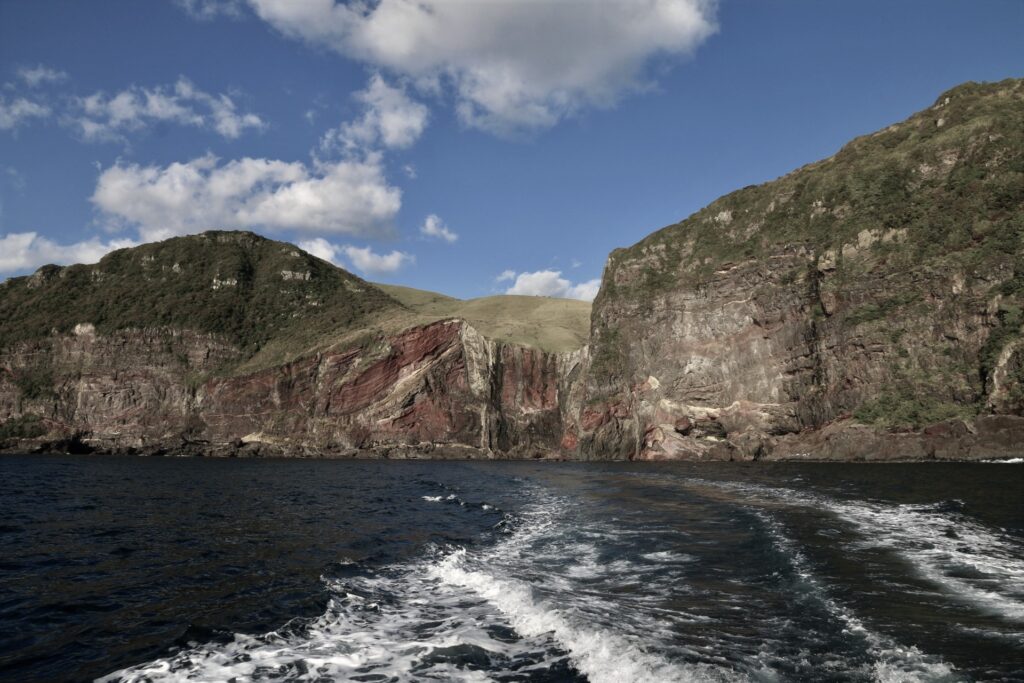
(271,299)
(551,324)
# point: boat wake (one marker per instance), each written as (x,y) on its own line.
(562,591)
(969,562)
(458,614)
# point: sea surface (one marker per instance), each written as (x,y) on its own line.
(136,569)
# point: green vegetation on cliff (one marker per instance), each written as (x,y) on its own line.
(950,178)
(271,300)
(899,261)
(257,294)
(23,427)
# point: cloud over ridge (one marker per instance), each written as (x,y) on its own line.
(23,251)
(550,283)
(349,197)
(390,119)
(363,259)
(434,227)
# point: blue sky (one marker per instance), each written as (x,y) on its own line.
(442,144)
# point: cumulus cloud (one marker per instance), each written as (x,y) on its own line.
(506,276)
(551,283)
(37,75)
(25,251)
(320,248)
(434,227)
(102,117)
(348,197)
(20,110)
(511,65)
(363,259)
(390,119)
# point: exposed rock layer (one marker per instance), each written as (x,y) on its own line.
(866,307)
(440,390)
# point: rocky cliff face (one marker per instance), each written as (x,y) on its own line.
(438,390)
(867,306)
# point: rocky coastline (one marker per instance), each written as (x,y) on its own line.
(867,307)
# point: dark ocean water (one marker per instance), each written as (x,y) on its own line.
(189,569)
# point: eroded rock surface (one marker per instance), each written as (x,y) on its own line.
(864,307)
(440,390)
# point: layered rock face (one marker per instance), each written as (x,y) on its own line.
(867,306)
(439,390)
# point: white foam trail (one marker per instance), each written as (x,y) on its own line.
(938,545)
(601,655)
(402,627)
(405,623)
(433,499)
(1007,461)
(893,663)
(668,556)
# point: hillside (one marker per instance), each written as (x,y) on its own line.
(879,289)
(555,325)
(229,343)
(264,297)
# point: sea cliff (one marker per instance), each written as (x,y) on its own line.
(864,307)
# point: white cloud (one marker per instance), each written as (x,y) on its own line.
(390,118)
(348,197)
(211,9)
(512,65)
(99,117)
(506,275)
(365,260)
(39,74)
(17,111)
(25,251)
(433,226)
(320,248)
(362,258)
(410,171)
(551,283)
